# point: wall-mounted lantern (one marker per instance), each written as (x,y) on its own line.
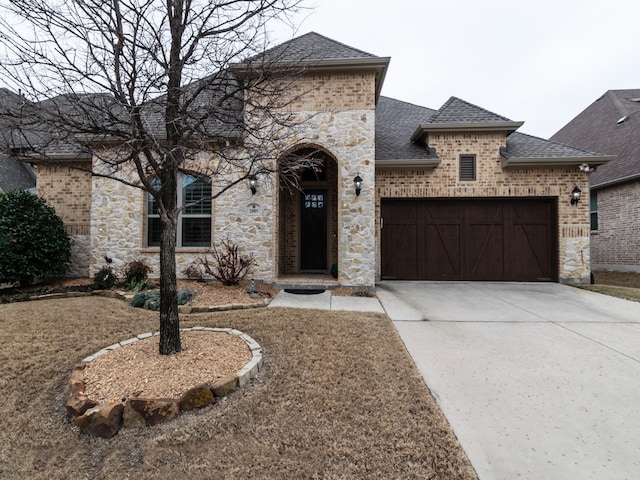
(575,195)
(357,182)
(253,184)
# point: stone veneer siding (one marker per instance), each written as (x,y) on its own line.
(616,243)
(494,181)
(340,118)
(68,190)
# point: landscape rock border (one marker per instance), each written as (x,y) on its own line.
(105,420)
(184,309)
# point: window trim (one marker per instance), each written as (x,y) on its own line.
(472,159)
(593,211)
(181,217)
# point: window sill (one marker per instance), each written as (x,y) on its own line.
(178,249)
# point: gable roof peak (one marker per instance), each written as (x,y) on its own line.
(457,115)
(456,110)
(311,48)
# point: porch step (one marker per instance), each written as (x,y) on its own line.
(306,282)
(305,286)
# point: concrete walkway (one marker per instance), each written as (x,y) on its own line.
(325,301)
(538,380)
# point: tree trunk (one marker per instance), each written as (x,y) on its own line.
(169,321)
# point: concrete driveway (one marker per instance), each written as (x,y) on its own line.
(538,380)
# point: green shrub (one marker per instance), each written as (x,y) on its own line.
(33,241)
(151,300)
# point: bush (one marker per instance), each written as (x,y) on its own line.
(193,271)
(33,241)
(151,300)
(105,278)
(228,266)
(136,275)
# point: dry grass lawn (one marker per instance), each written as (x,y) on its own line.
(616,284)
(339,398)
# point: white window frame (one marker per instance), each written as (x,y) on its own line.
(181,216)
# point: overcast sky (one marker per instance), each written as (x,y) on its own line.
(537,61)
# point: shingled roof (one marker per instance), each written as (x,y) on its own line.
(314,52)
(459,115)
(395,122)
(310,47)
(527,149)
(610,125)
(456,110)
(400,144)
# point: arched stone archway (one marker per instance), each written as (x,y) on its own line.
(308,216)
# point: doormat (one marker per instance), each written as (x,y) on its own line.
(303,291)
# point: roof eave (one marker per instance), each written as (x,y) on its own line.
(37,158)
(408,164)
(378,64)
(554,162)
(426,128)
(617,181)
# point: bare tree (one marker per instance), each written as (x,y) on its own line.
(144,87)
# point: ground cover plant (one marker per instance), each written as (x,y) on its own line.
(339,397)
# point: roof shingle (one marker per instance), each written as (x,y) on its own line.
(456,110)
(521,145)
(611,126)
(311,47)
(395,122)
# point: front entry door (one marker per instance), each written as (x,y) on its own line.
(313,230)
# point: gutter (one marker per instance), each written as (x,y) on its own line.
(425,128)
(629,178)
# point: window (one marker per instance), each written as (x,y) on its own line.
(194,222)
(593,209)
(467,167)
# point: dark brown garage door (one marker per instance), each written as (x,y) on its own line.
(479,239)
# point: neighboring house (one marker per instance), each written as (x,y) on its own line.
(15,175)
(611,125)
(449,194)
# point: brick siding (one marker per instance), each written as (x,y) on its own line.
(337,92)
(616,243)
(68,190)
(494,181)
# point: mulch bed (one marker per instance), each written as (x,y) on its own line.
(339,397)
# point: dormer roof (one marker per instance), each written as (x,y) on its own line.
(457,115)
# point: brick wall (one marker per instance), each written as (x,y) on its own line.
(494,181)
(336,92)
(616,243)
(68,190)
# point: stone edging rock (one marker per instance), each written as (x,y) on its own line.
(185,309)
(105,420)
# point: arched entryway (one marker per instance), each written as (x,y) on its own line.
(308,213)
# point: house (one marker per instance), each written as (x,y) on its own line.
(400,192)
(611,125)
(15,175)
